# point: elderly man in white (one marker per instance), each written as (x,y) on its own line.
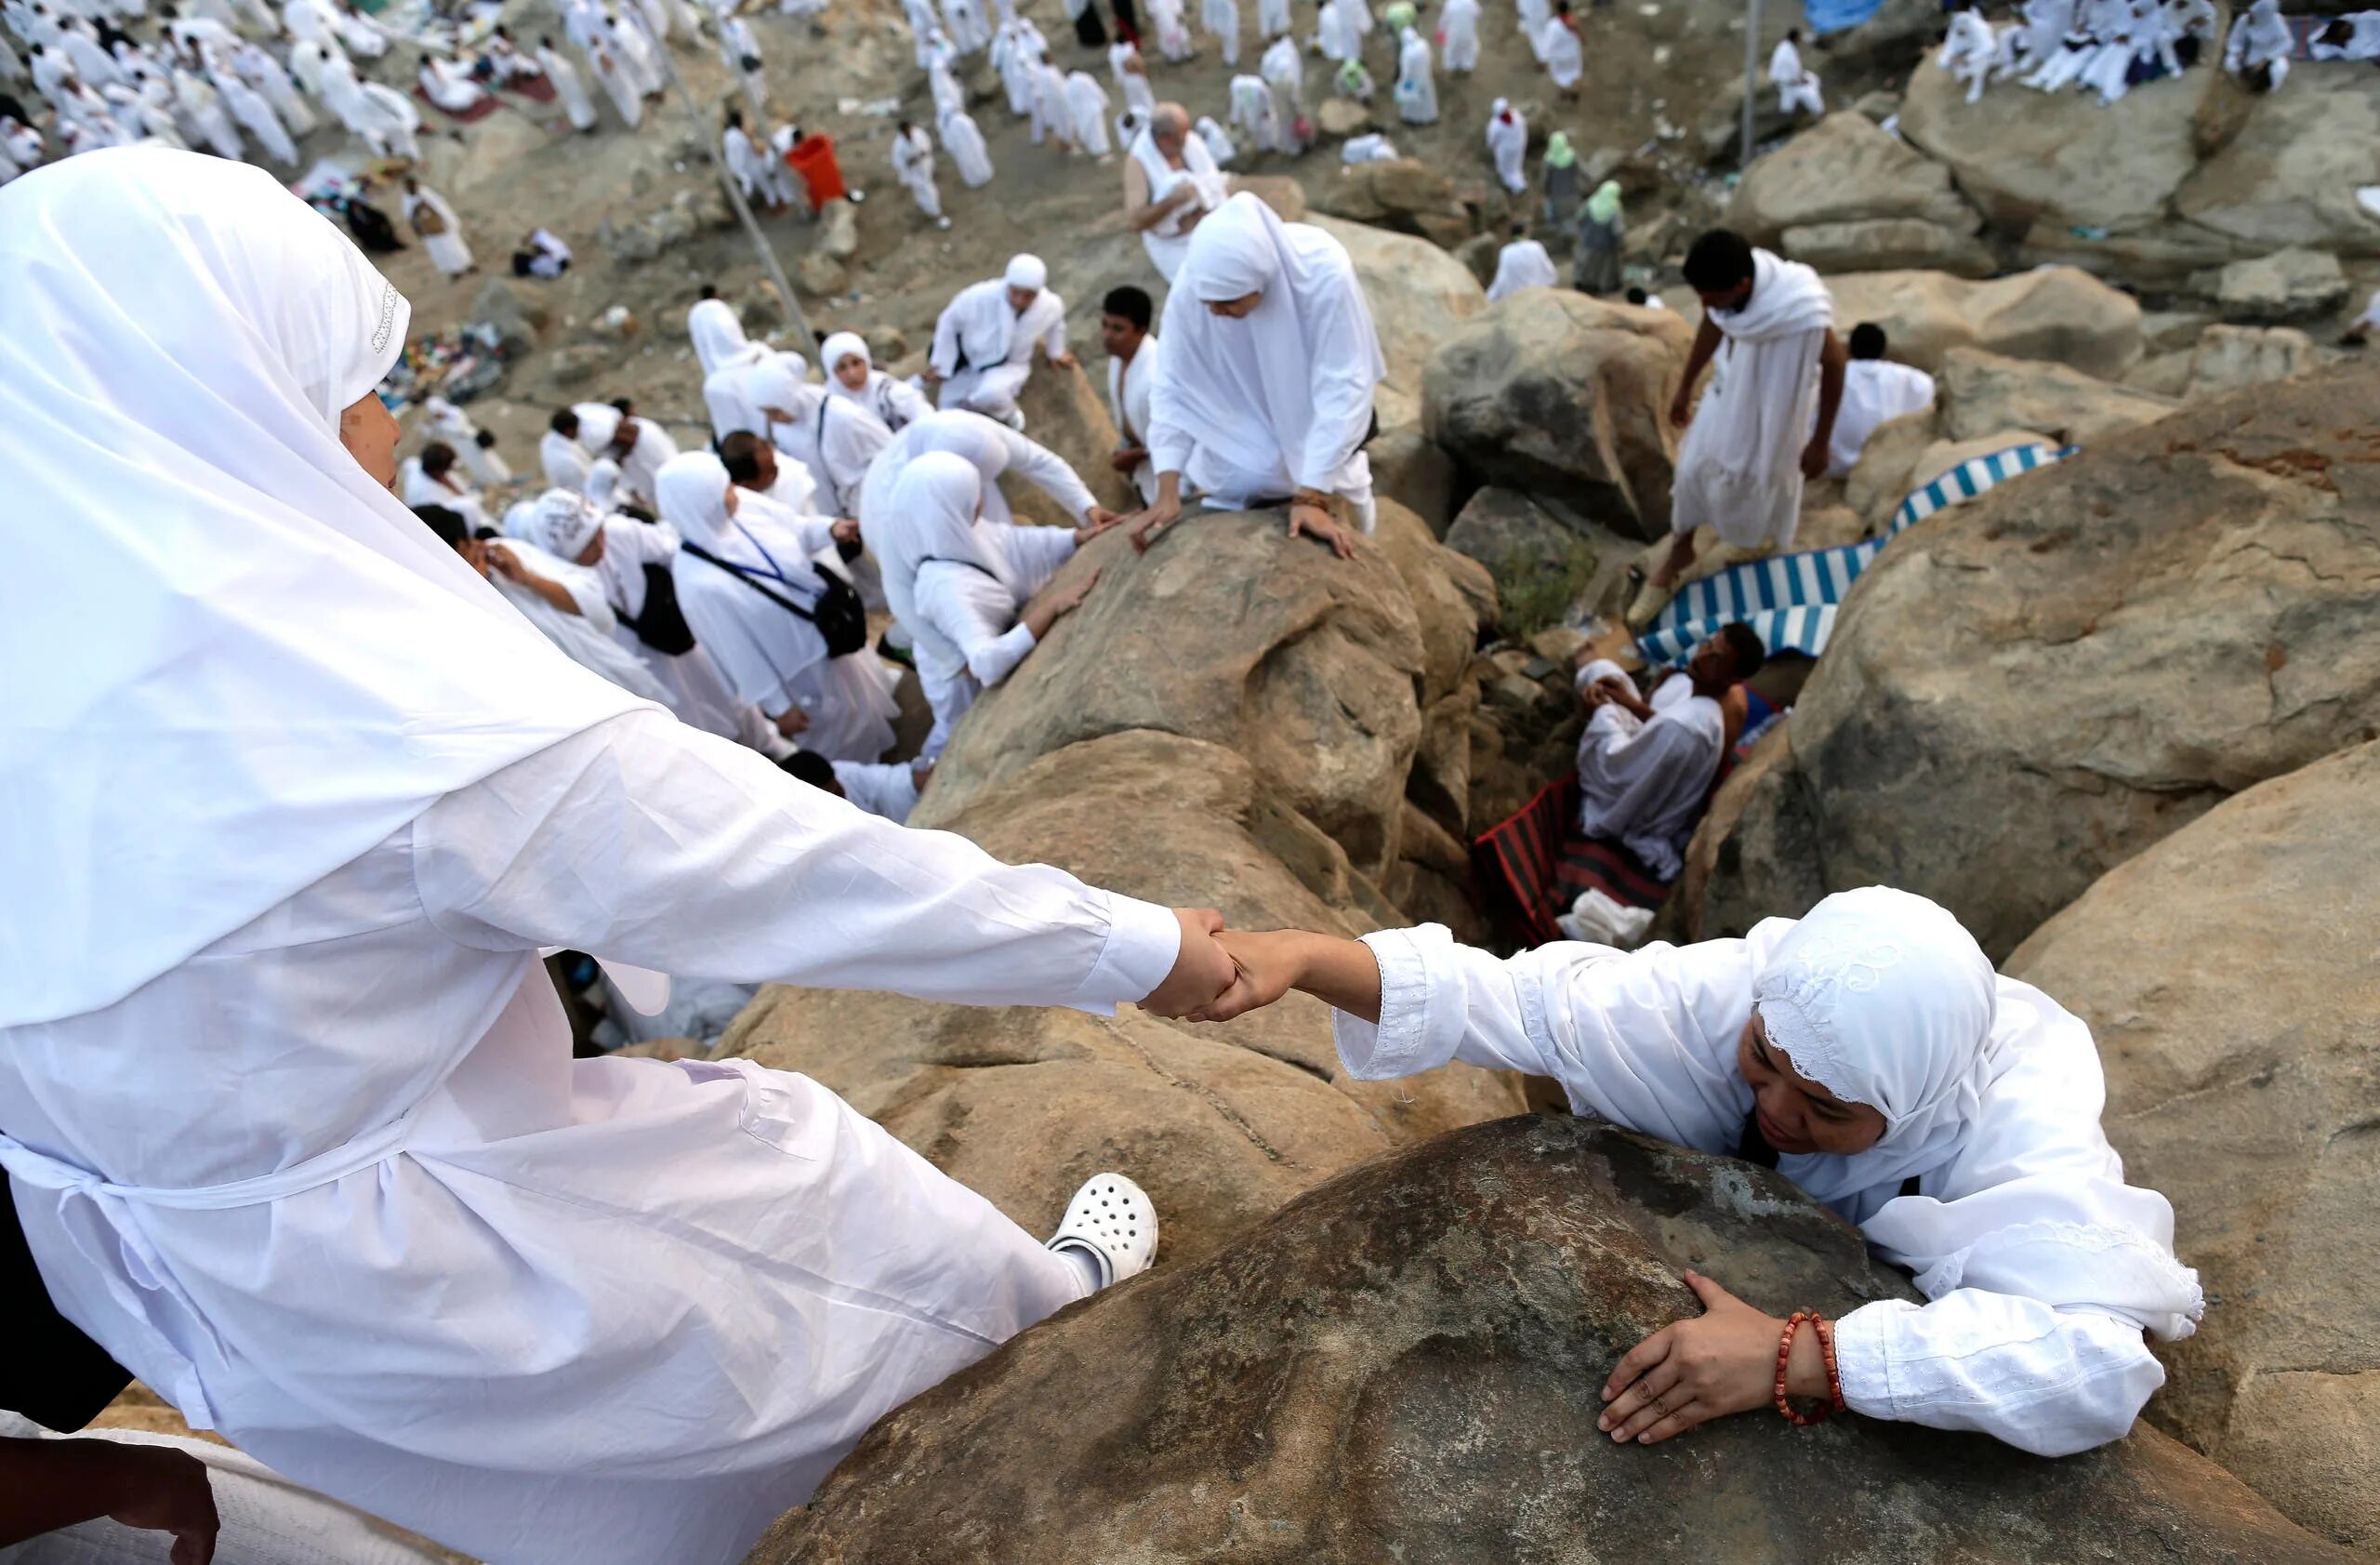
(983,344)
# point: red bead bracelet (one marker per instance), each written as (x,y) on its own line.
(1824,1331)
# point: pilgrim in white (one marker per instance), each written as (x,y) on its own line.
(983,342)
(1876,389)
(1646,765)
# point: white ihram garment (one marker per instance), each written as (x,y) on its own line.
(993,447)
(912,167)
(1642,782)
(1257,408)
(1522,264)
(884,788)
(1221,19)
(1797,86)
(587,638)
(1740,467)
(996,342)
(1535,14)
(896,403)
(447,250)
(2043,1266)
(568,87)
(442,419)
(1169,241)
(1969,52)
(564,460)
(963,139)
(1508,144)
(1874,391)
(1459,26)
(1087,102)
(1564,60)
(1128,386)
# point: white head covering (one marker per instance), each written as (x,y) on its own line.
(930,514)
(1026,271)
(603,482)
(694,500)
(840,346)
(181,335)
(563,523)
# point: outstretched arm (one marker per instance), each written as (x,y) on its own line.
(1832,358)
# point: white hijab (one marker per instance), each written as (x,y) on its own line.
(716,331)
(930,514)
(1245,388)
(694,500)
(838,347)
(563,524)
(182,335)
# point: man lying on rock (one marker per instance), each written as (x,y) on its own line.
(1869,1052)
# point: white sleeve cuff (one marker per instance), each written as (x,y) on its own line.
(1422,1007)
(1144,942)
(1860,1361)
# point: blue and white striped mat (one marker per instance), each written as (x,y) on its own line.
(1791,599)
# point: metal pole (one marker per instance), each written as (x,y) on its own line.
(1751,75)
(727,182)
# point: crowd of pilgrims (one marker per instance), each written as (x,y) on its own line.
(751,1272)
(2111,46)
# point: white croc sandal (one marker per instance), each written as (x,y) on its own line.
(1111,1220)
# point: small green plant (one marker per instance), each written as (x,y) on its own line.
(1539,593)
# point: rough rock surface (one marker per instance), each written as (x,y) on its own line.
(2228,974)
(2284,285)
(1068,412)
(1888,244)
(1513,536)
(1849,172)
(2026,690)
(1565,398)
(2290,176)
(1419,295)
(1408,467)
(2057,314)
(1983,393)
(1403,194)
(1401,1364)
(2229,357)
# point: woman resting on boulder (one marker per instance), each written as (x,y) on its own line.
(1869,1052)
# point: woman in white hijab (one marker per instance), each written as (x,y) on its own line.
(1265,394)
(1869,1054)
(966,596)
(835,438)
(632,562)
(995,449)
(851,374)
(735,576)
(605,1312)
(963,139)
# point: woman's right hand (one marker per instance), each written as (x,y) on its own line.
(793,724)
(1153,521)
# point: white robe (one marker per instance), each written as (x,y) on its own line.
(2042,1266)
(964,141)
(1873,391)
(1416,91)
(450,87)
(997,343)
(443,420)
(272,78)
(447,250)
(1970,51)
(1564,60)
(1169,241)
(1135,85)
(1534,15)
(2260,38)
(1508,144)
(1128,386)
(1458,23)
(617,74)
(1284,73)
(1221,19)
(568,87)
(2363,42)
(1642,782)
(1256,408)
(1273,18)
(247,105)
(1053,114)
(1087,102)
(717,332)
(565,461)
(888,789)
(1797,86)
(1522,264)
(912,167)
(586,638)
(1172,36)
(1740,467)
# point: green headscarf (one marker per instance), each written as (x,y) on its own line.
(1557,150)
(1604,206)
(1400,16)
(1354,78)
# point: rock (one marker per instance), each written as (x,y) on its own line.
(2058,313)
(577,364)
(615,325)
(886,344)
(1846,169)
(2165,257)
(686,215)
(1221,1123)
(1881,480)
(2030,689)
(1878,106)
(1419,295)
(1541,566)
(838,230)
(2229,357)
(1890,244)
(1066,414)
(1982,393)
(2167,375)
(1718,135)
(498,306)
(1404,196)
(1408,467)
(2289,177)
(2227,975)
(2285,286)
(1400,1365)
(1565,397)
(820,275)
(1480,253)
(1282,193)
(1342,117)
(1442,609)
(1307,666)
(2170,331)
(2061,160)
(761,309)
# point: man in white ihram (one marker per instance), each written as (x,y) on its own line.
(983,345)
(1645,766)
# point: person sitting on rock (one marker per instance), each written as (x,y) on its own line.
(1798,88)
(1522,263)
(852,375)
(566,462)
(2259,47)
(1645,766)
(1874,389)
(1264,394)
(1125,317)
(1970,51)
(983,344)
(431,479)
(1769,324)
(1869,1054)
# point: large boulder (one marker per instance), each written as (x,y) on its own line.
(2229,357)
(2026,690)
(1408,467)
(1848,177)
(1566,399)
(1419,295)
(1401,1365)
(2285,286)
(2059,314)
(2290,176)
(1315,670)
(2060,159)
(1982,393)
(1068,414)
(1403,194)
(2228,974)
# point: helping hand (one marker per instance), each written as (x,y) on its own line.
(793,724)
(1722,1361)
(506,563)
(1200,973)
(1095,520)
(1148,524)
(1269,965)
(1064,359)
(1068,599)
(1314,522)
(845,530)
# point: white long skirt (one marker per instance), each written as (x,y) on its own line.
(447,252)
(851,705)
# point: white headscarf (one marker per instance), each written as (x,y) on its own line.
(1247,388)
(563,523)
(603,482)
(930,514)
(694,500)
(301,664)
(1026,271)
(840,346)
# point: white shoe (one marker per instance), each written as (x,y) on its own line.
(1112,1221)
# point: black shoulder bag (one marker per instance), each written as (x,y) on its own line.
(841,618)
(662,625)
